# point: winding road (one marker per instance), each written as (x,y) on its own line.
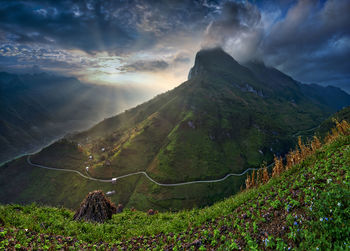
(138,173)
(114,179)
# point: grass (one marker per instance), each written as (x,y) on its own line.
(306,207)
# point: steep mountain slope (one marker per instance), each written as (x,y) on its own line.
(306,207)
(332,97)
(36,109)
(343,86)
(224,119)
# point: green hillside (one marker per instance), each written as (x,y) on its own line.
(305,207)
(328,124)
(224,119)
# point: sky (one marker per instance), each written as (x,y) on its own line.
(153,43)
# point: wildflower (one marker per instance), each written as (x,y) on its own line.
(329,181)
(326,219)
(266,241)
(295,223)
(321,219)
(339,204)
(288,207)
(310,208)
(26,229)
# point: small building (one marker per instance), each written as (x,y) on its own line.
(87,168)
(90,157)
(114,180)
(103,149)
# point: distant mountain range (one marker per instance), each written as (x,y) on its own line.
(344,86)
(226,118)
(38,108)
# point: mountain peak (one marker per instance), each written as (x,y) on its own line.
(212,59)
(212,52)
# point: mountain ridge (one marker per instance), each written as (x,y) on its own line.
(38,108)
(222,120)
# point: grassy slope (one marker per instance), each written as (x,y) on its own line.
(328,124)
(306,207)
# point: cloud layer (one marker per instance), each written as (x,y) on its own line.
(308,39)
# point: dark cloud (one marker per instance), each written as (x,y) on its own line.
(235,18)
(83,25)
(144,66)
(312,42)
(179,59)
(308,39)
(182,58)
(115,27)
(236,30)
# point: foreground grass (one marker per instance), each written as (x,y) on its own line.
(305,207)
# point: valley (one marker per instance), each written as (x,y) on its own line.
(38,109)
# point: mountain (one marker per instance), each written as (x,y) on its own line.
(38,108)
(344,86)
(332,97)
(225,119)
(305,207)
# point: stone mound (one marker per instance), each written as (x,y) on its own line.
(96,207)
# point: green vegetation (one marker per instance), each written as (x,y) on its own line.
(224,119)
(328,124)
(306,206)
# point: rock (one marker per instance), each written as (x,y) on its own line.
(152,212)
(120,208)
(96,207)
